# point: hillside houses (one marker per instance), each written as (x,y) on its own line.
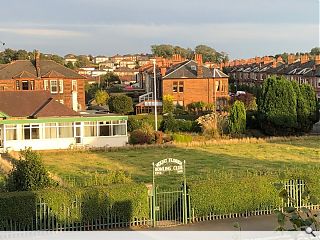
(255,71)
(65,85)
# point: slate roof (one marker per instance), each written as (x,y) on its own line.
(32,104)
(309,69)
(16,68)
(188,69)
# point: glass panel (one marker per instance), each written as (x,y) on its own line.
(65,130)
(35,133)
(90,131)
(26,132)
(51,130)
(11,134)
(105,130)
(119,130)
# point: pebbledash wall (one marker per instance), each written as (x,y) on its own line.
(63,132)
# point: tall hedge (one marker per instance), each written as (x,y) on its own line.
(227,194)
(277,106)
(237,118)
(84,204)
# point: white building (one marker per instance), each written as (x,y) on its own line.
(44,124)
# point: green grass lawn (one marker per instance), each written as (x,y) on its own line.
(296,153)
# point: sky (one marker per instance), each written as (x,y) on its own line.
(242,28)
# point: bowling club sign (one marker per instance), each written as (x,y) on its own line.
(168,165)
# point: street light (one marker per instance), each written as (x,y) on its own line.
(155,95)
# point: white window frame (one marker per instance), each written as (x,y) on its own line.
(31,126)
(46,84)
(74,85)
(60,86)
(51,85)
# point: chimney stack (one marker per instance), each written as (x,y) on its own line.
(317,60)
(198,59)
(163,71)
(304,58)
(291,59)
(37,62)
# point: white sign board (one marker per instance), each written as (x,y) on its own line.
(168,165)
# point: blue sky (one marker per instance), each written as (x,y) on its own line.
(242,28)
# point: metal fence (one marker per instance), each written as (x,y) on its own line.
(169,203)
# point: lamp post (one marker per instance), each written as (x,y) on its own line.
(155,94)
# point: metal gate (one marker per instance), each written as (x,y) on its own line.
(170,207)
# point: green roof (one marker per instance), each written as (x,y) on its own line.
(63,119)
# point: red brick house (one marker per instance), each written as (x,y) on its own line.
(191,81)
(64,84)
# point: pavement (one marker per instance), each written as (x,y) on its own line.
(254,223)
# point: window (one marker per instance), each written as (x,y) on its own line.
(74,85)
(32,85)
(318,85)
(175,87)
(178,87)
(105,129)
(46,85)
(25,85)
(181,87)
(90,129)
(119,127)
(11,132)
(31,131)
(65,130)
(17,85)
(51,130)
(54,86)
(60,86)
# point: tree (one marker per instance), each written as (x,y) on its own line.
(101,97)
(120,104)
(28,173)
(249,101)
(277,106)
(69,65)
(315,51)
(208,53)
(237,118)
(163,50)
(109,79)
(168,105)
(309,114)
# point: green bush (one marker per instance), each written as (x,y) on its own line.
(237,118)
(82,204)
(182,138)
(170,124)
(28,173)
(136,121)
(277,107)
(140,137)
(228,194)
(121,104)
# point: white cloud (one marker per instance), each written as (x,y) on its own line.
(42,32)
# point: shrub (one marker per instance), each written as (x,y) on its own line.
(277,106)
(133,123)
(120,104)
(158,135)
(184,125)
(169,124)
(84,204)
(181,138)
(237,118)
(226,194)
(140,137)
(28,173)
(210,124)
(101,97)
(168,106)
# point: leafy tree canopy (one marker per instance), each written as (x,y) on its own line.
(121,104)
